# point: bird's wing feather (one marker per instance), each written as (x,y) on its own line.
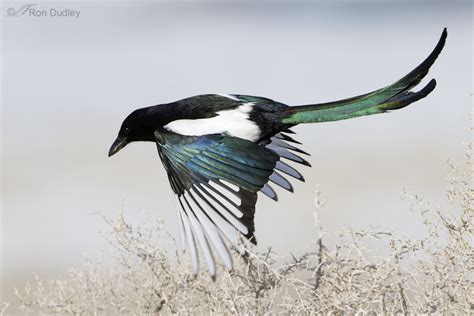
(288,154)
(216,179)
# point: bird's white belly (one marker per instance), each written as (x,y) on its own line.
(235,122)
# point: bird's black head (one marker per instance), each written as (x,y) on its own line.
(136,127)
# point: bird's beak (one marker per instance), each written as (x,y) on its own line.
(118,144)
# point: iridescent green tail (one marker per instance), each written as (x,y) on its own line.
(392,97)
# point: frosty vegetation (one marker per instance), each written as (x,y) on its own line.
(430,275)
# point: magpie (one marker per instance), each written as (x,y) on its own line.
(220,150)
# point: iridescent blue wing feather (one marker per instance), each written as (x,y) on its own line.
(216,179)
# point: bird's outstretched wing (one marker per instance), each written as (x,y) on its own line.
(215,179)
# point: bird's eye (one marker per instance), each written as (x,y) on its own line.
(126,130)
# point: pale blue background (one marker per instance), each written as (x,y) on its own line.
(68,84)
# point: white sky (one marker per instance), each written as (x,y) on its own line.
(68,84)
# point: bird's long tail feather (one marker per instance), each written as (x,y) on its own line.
(392,97)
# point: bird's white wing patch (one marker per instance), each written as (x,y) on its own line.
(229,96)
(235,122)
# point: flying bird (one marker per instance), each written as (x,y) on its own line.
(219,151)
